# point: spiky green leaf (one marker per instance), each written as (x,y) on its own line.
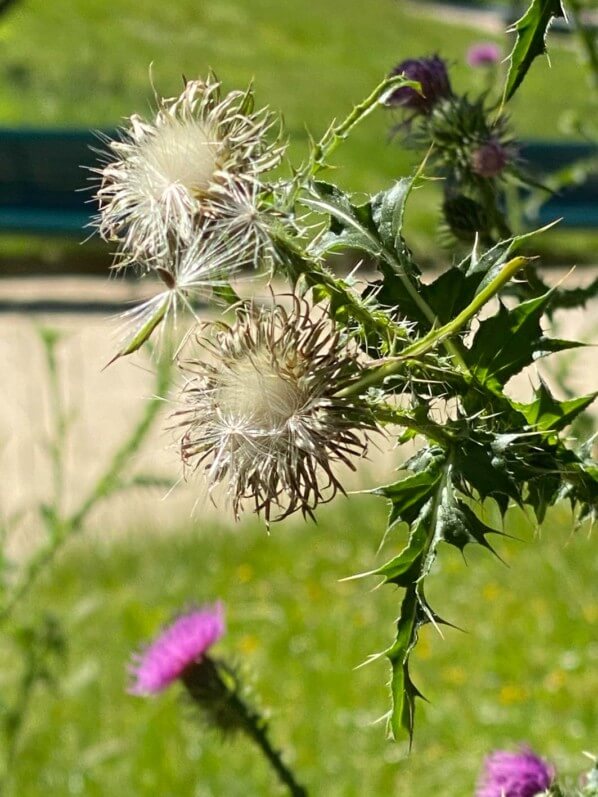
(409,495)
(403,690)
(388,212)
(531,32)
(351,226)
(545,413)
(511,340)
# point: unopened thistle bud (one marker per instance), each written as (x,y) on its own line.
(490,159)
(465,217)
(174,177)
(431,73)
(265,418)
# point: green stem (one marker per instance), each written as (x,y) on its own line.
(377,375)
(386,414)
(214,688)
(18,714)
(49,338)
(316,275)
(257,730)
(337,133)
(108,483)
(480,299)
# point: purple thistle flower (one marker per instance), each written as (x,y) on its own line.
(183,643)
(489,159)
(484,54)
(522,774)
(433,77)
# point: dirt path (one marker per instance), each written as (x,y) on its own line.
(103,406)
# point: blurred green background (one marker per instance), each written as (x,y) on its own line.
(523,671)
(87,63)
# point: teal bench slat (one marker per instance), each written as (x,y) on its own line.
(44,185)
(43,221)
(576,205)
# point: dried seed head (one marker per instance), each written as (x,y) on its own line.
(265,417)
(185,275)
(165,180)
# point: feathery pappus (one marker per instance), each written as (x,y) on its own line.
(264,418)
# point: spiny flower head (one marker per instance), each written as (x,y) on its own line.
(522,774)
(489,159)
(431,73)
(181,645)
(165,178)
(483,54)
(265,417)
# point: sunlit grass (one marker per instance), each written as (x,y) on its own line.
(525,669)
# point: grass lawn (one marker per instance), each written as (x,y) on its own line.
(524,671)
(86,62)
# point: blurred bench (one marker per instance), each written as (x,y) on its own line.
(571,170)
(43,187)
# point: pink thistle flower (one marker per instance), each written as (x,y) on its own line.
(522,774)
(182,644)
(484,54)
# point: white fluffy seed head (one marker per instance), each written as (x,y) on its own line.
(255,391)
(265,418)
(180,156)
(176,177)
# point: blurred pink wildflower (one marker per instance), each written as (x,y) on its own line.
(484,54)
(183,643)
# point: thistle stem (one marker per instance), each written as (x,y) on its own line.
(213,686)
(377,375)
(257,730)
(388,414)
(62,529)
(337,289)
(335,134)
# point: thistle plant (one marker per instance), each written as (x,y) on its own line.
(522,774)
(37,642)
(274,403)
(484,54)
(471,147)
(526,774)
(182,653)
